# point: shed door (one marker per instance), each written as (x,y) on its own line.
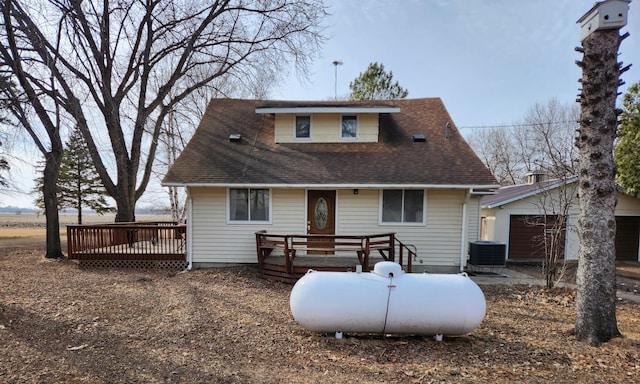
(527,236)
(627,233)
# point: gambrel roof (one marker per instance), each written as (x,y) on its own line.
(444,159)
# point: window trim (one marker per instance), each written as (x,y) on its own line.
(402,223)
(295,126)
(342,137)
(240,222)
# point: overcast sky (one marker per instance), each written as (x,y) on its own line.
(489,60)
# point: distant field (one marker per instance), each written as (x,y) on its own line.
(33,225)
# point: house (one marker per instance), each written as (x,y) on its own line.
(330,167)
(521,216)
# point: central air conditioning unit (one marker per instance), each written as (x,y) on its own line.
(487,253)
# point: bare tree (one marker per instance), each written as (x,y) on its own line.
(495,148)
(556,205)
(551,127)
(542,141)
(35,92)
(184,118)
(118,69)
(5,107)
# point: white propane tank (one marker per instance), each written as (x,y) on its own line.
(387,300)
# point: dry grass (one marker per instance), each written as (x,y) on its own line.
(60,323)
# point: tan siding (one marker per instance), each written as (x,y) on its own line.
(284,131)
(490,216)
(326,127)
(627,205)
(215,241)
(368,127)
(289,211)
(437,242)
(473,221)
(444,222)
(357,214)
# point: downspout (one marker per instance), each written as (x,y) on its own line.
(463,234)
(189,231)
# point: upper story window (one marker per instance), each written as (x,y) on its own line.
(303,127)
(249,205)
(349,127)
(403,206)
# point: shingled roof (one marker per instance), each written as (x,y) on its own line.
(511,193)
(444,159)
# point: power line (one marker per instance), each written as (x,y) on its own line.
(516,125)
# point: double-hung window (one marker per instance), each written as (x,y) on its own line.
(403,206)
(249,205)
(303,127)
(349,128)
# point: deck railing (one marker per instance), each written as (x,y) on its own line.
(291,247)
(127,241)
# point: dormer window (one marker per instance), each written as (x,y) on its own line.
(331,122)
(349,128)
(303,127)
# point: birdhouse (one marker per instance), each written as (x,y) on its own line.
(608,14)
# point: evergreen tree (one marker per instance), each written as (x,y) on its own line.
(376,84)
(627,152)
(4,166)
(78,185)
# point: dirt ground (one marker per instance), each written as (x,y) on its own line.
(63,324)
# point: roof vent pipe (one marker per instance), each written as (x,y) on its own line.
(446,130)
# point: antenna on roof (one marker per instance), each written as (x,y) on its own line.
(335,83)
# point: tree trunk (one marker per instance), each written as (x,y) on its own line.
(125,205)
(596,278)
(51,168)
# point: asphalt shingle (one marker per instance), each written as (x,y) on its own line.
(210,158)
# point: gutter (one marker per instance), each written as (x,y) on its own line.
(474,189)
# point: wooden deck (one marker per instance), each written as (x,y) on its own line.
(286,258)
(154,244)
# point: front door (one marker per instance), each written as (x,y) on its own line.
(321,217)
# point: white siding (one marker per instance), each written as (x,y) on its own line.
(326,128)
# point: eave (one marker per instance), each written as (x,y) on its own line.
(304,110)
(475,189)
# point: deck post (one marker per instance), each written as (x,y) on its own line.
(289,254)
(367,249)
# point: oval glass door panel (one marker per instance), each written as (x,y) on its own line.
(321,213)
